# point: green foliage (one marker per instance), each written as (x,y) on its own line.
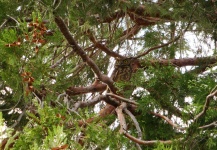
(31,42)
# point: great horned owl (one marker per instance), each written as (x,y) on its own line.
(124,69)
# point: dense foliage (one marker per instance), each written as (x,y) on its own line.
(108,74)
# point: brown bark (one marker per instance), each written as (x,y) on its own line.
(71,91)
(197,61)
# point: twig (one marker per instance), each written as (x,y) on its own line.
(122,99)
(152,142)
(206,105)
(62,59)
(2,25)
(172,41)
(18,120)
(13,106)
(56,4)
(168,120)
(209,125)
(159,46)
(130,32)
(13,19)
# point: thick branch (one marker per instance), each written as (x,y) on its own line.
(198,61)
(71,91)
(121,118)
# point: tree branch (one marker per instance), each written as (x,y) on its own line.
(130,32)
(209,125)
(92,102)
(121,118)
(206,105)
(139,131)
(103,47)
(71,91)
(122,98)
(198,61)
(168,120)
(152,142)
(63,28)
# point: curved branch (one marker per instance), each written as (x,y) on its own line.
(206,105)
(152,142)
(168,120)
(139,131)
(168,43)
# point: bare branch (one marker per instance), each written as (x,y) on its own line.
(209,125)
(152,142)
(14,105)
(18,119)
(92,102)
(136,125)
(197,61)
(206,105)
(121,118)
(168,120)
(130,32)
(2,25)
(83,90)
(122,99)
(170,42)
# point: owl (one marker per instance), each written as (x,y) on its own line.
(124,69)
